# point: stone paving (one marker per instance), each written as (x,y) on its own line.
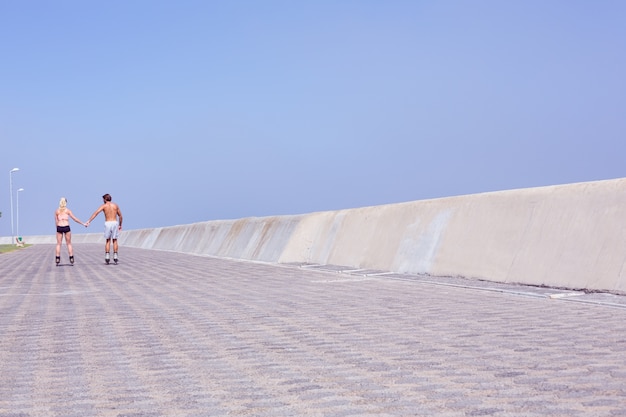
(169,334)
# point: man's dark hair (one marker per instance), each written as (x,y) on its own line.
(107,197)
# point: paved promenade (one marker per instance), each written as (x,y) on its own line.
(168,334)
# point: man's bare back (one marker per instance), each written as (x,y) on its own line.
(111,212)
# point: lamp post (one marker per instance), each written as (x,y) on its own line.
(17,212)
(11,191)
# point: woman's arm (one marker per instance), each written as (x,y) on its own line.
(74,217)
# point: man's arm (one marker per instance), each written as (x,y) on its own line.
(119,214)
(95,213)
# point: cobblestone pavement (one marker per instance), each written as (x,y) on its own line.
(168,334)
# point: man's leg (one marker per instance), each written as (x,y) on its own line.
(115,250)
(107,248)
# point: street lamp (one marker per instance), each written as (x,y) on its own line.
(17,212)
(11,191)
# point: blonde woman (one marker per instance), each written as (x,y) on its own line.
(62,220)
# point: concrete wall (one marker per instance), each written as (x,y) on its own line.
(571,236)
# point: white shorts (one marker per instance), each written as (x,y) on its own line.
(111,230)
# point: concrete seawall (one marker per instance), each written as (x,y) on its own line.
(570,236)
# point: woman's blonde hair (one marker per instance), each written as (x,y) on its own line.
(63,203)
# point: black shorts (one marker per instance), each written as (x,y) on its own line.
(63,229)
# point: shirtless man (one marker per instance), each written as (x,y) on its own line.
(111,225)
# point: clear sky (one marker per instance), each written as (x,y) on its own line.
(188,111)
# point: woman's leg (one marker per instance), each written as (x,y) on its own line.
(59,241)
(68,242)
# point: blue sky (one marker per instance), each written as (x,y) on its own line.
(187,111)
